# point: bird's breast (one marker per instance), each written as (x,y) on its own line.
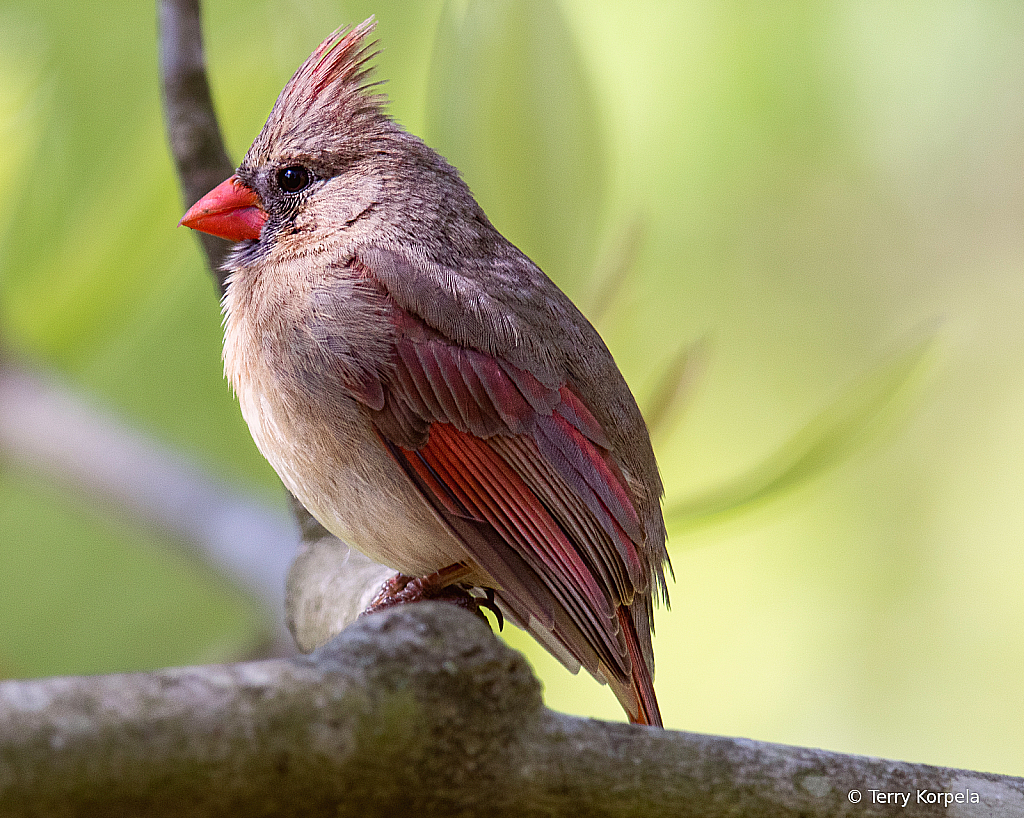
(318,436)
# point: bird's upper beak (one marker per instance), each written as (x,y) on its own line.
(231,210)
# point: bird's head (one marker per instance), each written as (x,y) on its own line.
(311,167)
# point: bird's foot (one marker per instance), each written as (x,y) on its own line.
(402,589)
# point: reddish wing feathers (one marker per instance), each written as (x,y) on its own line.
(495,493)
(522,473)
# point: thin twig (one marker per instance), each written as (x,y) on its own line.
(196,143)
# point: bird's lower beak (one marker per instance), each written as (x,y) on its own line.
(231,210)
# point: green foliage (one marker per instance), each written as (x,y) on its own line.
(510,104)
(832,435)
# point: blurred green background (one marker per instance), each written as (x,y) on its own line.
(810,187)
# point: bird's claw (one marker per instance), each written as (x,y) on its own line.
(402,589)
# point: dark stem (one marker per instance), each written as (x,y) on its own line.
(196,143)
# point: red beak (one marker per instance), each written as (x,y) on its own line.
(231,210)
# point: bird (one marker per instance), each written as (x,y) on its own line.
(425,390)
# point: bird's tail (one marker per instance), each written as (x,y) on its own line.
(636,694)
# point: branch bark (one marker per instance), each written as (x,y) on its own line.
(415,711)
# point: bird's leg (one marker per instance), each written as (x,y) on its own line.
(402,588)
(442,585)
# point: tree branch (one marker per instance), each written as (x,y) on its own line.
(50,430)
(196,143)
(415,711)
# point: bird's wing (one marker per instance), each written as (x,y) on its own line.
(521,472)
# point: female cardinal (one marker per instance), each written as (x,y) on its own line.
(425,390)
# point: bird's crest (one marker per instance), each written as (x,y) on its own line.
(331,88)
(340,64)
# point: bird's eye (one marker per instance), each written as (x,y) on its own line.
(293,178)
